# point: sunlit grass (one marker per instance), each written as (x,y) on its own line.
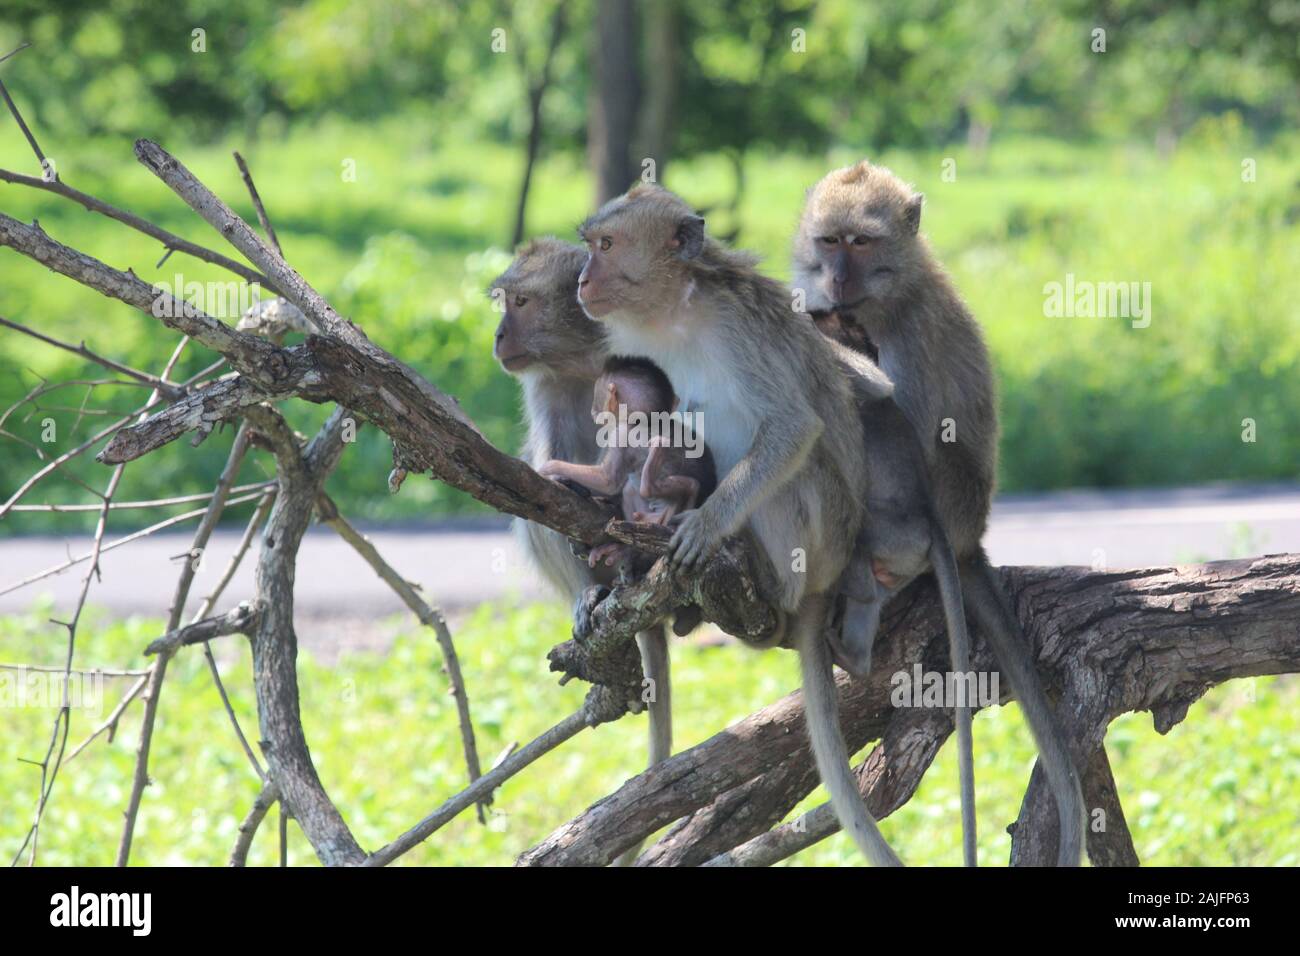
(1221,788)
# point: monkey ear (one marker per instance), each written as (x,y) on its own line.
(689,237)
(912,213)
(611,400)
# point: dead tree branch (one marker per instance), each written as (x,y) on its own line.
(1107,643)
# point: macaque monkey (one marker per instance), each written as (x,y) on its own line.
(655,477)
(865,269)
(900,539)
(547,342)
(772,399)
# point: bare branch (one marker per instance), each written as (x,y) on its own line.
(294,288)
(137,505)
(430,617)
(266,799)
(1107,642)
(166,389)
(254,356)
(173,242)
(257,204)
(239,620)
(135,536)
(479,789)
(200,412)
(31,140)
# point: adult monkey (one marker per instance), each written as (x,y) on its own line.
(773,403)
(868,276)
(546,341)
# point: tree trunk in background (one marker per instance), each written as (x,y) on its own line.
(614,94)
(536,90)
(660,70)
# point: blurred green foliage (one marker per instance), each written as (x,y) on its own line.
(383,733)
(408,248)
(1117,166)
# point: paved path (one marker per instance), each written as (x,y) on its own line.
(462,568)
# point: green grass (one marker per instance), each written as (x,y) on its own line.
(1221,788)
(407,247)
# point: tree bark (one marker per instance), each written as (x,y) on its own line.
(1106,643)
(615,92)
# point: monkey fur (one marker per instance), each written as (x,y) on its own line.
(870,280)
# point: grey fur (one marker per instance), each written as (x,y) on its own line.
(568,352)
(893,292)
(775,401)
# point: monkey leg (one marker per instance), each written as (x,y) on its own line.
(864,598)
(653,645)
(597,478)
(608,553)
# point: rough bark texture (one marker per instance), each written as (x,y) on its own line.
(1106,643)
(275,644)
(615,92)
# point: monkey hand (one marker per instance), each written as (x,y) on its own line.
(696,538)
(583,608)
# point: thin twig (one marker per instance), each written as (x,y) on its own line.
(80,671)
(152,503)
(557,735)
(266,799)
(136,536)
(13,108)
(62,723)
(430,617)
(257,204)
(93,440)
(166,389)
(255,522)
(201,535)
(110,723)
(173,242)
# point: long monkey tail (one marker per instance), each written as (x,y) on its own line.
(985,599)
(822,717)
(653,645)
(945,572)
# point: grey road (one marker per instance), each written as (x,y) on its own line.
(459,568)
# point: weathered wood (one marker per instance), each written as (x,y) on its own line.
(1106,643)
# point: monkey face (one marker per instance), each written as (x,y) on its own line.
(511,347)
(542,327)
(635,245)
(857,237)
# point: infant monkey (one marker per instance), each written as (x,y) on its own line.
(655,475)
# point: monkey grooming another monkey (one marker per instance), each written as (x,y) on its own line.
(860,260)
(546,341)
(772,400)
(655,478)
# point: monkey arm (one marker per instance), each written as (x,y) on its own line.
(656,484)
(779,451)
(602,478)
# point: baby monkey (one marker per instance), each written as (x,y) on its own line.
(655,474)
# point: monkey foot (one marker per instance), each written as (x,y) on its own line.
(882,575)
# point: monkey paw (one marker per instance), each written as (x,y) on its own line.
(694,540)
(583,608)
(610,553)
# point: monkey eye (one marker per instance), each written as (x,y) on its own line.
(862,240)
(829,240)
(605,243)
(520,301)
